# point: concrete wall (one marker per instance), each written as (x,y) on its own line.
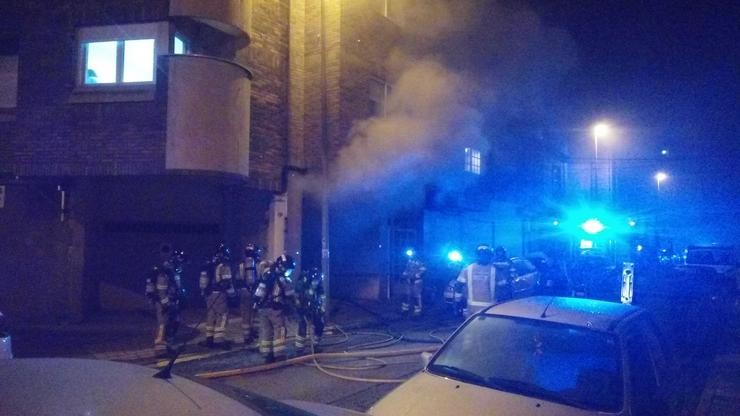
(207,115)
(41,257)
(234,12)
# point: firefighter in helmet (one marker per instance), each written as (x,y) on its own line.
(245,283)
(162,291)
(476,283)
(412,279)
(217,286)
(311,304)
(274,297)
(504,273)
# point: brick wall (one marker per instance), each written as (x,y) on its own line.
(267,57)
(56,137)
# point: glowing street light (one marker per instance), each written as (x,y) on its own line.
(455,256)
(660,177)
(599,130)
(593,226)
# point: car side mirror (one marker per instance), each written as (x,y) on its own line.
(426,357)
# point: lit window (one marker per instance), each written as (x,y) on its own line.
(100,62)
(472,161)
(102,65)
(138,60)
(180,47)
(113,55)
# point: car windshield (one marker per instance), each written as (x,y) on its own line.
(555,362)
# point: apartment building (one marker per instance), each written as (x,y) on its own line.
(130,126)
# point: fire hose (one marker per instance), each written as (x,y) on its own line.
(313,359)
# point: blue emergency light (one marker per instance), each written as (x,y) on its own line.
(409,252)
(455,256)
(592,226)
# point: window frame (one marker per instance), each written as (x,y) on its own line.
(473,161)
(158,31)
(386,89)
(186,44)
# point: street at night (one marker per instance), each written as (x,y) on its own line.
(380,207)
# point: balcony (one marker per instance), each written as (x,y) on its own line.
(208,109)
(230,16)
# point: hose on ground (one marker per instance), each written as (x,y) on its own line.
(316,356)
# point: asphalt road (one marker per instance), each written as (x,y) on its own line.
(307,382)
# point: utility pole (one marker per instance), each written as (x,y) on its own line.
(325,269)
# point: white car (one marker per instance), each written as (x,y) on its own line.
(70,386)
(542,356)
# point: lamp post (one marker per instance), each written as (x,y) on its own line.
(660,177)
(599,131)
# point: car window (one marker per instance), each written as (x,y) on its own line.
(561,363)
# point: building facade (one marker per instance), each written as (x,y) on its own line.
(130,126)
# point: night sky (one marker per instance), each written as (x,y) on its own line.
(665,71)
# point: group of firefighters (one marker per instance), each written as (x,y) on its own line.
(267,291)
(261,289)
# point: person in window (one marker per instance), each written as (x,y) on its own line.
(91,77)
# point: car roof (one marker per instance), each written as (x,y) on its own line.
(587,313)
(67,386)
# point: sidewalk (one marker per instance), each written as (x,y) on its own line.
(128,336)
(721,396)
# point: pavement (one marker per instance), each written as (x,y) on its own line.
(129,337)
(721,395)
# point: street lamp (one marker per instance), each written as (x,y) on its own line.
(660,177)
(600,130)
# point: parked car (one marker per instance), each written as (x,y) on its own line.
(6,346)
(524,277)
(722,259)
(543,356)
(71,386)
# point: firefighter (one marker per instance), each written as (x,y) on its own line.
(178,261)
(504,273)
(273,298)
(311,304)
(245,284)
(413,284)
(476,283)
(163,293)
(216,284)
